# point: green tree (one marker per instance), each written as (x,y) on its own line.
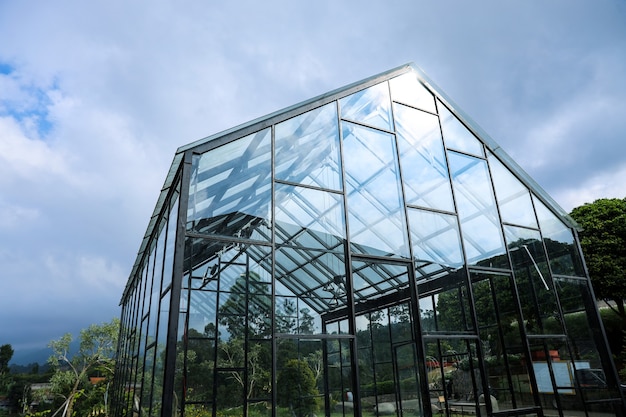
(95,356)
(603,240)
(6,353)
(296,388)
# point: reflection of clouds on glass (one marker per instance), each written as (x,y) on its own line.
(407,89)
(233,178)
(307,149)
(371,106)
(309,211)
(551,226)
(435,237)
(476,207)
(455,134)
(513,197)
(422,157)
(375,205)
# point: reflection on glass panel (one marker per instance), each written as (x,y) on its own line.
(423,160)
(307,149)
(371,106)
(476,206)
(230,189)
(535,285)
(444,303)
(455,135)
(168,263)
(559,239)
(374,280)
(498,323)
(159,367)
(375,207)
(576,301)
(454,379)
(308,284)
(513,196)
(409,90)
(309,218)
(435,239)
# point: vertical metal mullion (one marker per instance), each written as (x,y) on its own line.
(348,269)
(274,361)
(176,288)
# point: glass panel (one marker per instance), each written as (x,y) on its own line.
(409,90)
(480,225)
(309,218)
(423,159)
(444,303)
(536,289)
(513,197)
(498,322)
(308,283)
(371,106)
(159,368)
(374,280)
(168,263)
(307,149)
(375,207)
(435,239)
(577,304)
(230,189)
(559,239)
(454,379)
(456,136)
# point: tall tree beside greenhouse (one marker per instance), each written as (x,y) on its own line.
(603,240)
(95,357)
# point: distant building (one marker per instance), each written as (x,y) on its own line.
(371,241)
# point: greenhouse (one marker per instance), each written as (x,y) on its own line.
(368,252)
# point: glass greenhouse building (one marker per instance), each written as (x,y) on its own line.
(367,252)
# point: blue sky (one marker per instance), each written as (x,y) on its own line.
(95,97)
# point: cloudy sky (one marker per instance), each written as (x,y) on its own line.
(95,97)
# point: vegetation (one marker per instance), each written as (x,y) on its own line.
(603,241)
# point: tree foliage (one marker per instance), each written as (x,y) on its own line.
(94,357)
(296,388)
(603,240)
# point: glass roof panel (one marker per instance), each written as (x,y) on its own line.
(375,206)
(372,280)
(480,224)
(559,239)
(229,193)
(371,106)
(305,215)
(423,160)
(307,149)
(513,197)
(409,90)
(534,282)
(455,135)
(435,238)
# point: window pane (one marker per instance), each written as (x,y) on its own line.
(559,239)
(309,218)
(409,90)
(371,106)
(307,149)
(375,207)
(513,197)
(455,135)
(535,286)
(308,283)
(435,239)
(423,160)
(480,225)
(230,189)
